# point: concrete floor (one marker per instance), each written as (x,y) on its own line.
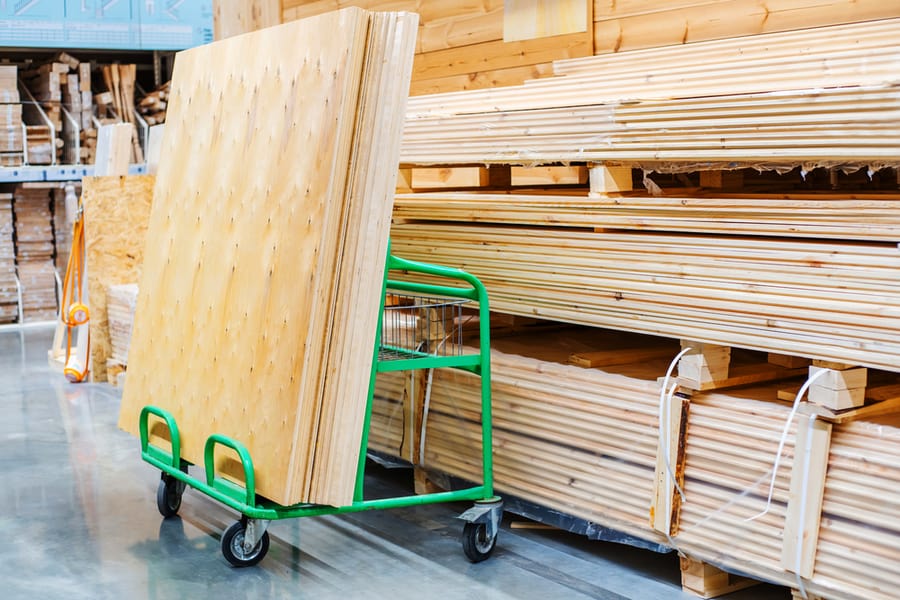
(81,522)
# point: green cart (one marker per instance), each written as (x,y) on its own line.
(399,345)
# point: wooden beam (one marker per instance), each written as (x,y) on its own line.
(804,510)
(609,180)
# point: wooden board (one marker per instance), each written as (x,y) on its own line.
(531,19)
(639,25)
(256,319)
(234,17)
(116,216)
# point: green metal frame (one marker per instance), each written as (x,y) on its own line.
(243,498)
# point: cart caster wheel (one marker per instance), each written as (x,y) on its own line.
(168,495)
(475,542)
(233,546)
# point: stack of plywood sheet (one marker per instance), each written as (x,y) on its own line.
(35,251)
(264,293)
(11,135)
(9,296)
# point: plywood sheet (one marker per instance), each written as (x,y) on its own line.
(116,215)
(262,210)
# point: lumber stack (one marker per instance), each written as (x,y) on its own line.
(302,355)
(119,80)
(35,251)
(62,228)
(580,441)
(837,215)
(9,297)
(584,441)
(11,135)
(476,45)
(153,105)
(662,108)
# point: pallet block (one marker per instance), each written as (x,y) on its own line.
(707,581)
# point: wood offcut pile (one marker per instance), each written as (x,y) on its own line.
(9,298)
(119,97)
(35,251)
(153,105)
(300,357)
(11,135)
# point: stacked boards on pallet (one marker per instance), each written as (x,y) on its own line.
(583,441)
(682,267)
(734,103)
(35,251)
(116,214)
(9,294)
(276,274)
(11,135)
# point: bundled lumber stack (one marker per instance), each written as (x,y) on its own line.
(35,251)
(814,299)
(153,105)
(303,357)
(120,303)
(9,297)
(11,135)
(583,441)
(119,80)
(663,106)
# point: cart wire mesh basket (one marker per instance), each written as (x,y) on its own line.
(416,325)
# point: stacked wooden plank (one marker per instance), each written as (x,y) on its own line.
(34,252)
(9,297)
(11,135)
(810,298)
(633,24)
(845,216)
(62,225)
(153,105)
(230,276)
(664,105)
(119,80)
(583,441)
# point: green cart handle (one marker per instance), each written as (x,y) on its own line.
(226,487)
(173,459)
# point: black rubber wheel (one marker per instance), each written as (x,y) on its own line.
(168,495)
(475,542)
(233,546)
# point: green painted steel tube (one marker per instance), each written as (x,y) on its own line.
(174,436)
(213,482)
